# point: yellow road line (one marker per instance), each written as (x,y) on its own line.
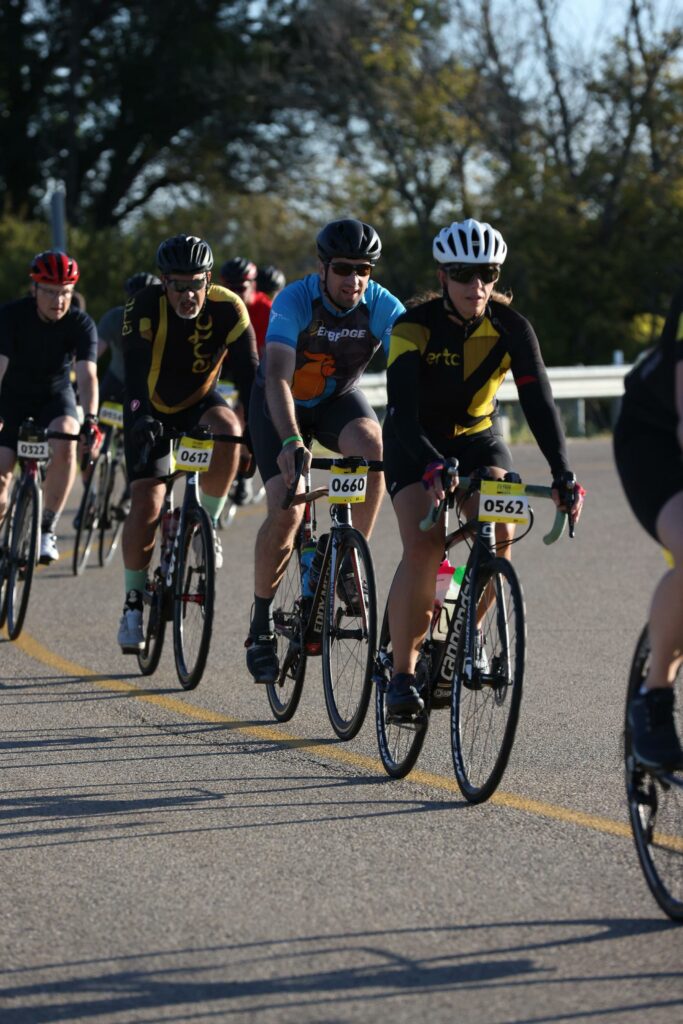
(38,652)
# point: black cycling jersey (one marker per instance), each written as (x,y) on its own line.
(651,384)
(443,376)
(172,364)
(41,353)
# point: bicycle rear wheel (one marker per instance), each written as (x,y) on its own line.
(114,503)
(349,635)
(88,512)
(22,556)
(193,599)
(485,706)
(284,694)
(655,804)
(4,565)
(399,740)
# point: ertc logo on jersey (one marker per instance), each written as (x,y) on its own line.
(345,332)
(445,357)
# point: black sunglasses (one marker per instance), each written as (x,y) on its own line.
(195,285)
(463,273)
(346,269)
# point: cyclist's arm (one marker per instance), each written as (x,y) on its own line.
(137,362)
(4,363)
(243,363)
(280,367)
(403,410)
(536,400)
(88,390)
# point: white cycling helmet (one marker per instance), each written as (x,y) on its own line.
(469,241)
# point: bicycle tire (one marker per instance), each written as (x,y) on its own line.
(399,741)
(349,635)
(88,514)
(23,548)
(284,694)
(485,709)
(4,564)
(655,804)
(155,619)
(193,599)
(114,486)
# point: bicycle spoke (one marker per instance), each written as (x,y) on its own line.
(284,695)
(193,601)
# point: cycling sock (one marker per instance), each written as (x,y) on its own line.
(213,506)
(49,521)
(262,616)
(134,579)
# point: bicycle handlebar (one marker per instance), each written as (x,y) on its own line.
(344,462)
(201,432)
(531,490)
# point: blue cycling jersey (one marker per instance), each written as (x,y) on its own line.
(333,347)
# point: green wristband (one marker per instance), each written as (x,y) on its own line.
(294,437)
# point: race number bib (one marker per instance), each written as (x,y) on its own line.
(111,414)
(38,450)
(193,454)
(347,485)
(502,502)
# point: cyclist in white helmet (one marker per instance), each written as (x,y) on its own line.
(448,357)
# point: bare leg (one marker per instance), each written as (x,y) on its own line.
(666,613)
(275,539)
(61,471)
(139,528)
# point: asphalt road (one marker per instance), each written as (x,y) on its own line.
(181,857)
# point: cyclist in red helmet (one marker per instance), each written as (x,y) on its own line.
(40,336)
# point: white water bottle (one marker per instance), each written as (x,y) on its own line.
(448,582)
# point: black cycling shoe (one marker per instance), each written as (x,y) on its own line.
(654,740)
(262,660)
(402,699)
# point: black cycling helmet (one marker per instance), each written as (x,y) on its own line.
(349,239)
(184,254)
(237,270)
(270,279)
(137,282)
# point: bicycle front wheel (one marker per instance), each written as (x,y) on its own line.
(22,556)
(487,688)
(114,506)
(349,635)
(655,804)
(88,512)
(193,599)
(4,565)
(399,740)
(285,693)
(155,617)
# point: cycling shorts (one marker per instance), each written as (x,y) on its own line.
(487,448)
(649,464)
(159,462)
(15,409)
(323,422)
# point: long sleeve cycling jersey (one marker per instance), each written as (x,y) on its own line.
(172,363)
(443,376)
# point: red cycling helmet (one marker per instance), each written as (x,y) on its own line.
(54,267)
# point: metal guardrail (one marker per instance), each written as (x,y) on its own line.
(567,382)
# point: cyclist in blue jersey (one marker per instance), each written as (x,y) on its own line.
(323,331)
(40,336)
(648,448)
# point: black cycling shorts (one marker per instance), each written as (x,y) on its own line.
(472,451)
(15,409)
(650,466)
(323,422)
(159,462)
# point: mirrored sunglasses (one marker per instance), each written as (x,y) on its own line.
(346,269)
(463,273)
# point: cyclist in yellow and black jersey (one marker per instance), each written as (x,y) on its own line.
(176,336)
(448,357)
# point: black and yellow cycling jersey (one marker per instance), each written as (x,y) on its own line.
(443,376)
(171,364)
(651,384)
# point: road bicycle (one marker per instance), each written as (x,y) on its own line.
(334,613)
(476,666)
(181,585)
(21,528)
(655,803)
(105,501)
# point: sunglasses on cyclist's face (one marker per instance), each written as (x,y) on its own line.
(195,285)
(463,273)
(346,269)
